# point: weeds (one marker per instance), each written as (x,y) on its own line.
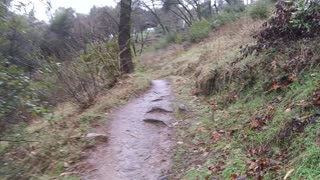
(260,10)
(199,30)
(58,144)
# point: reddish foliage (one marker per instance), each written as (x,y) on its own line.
(260,121)
(290,22)
(282,82)
(258,168)
(316,98)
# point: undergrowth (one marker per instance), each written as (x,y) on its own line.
(254,116)
(53,147)
(256,136)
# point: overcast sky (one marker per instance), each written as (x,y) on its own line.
(81,6)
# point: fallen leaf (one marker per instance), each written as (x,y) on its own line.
(233,176)
(254,123)
(287,110)
(288,174)
(216,136)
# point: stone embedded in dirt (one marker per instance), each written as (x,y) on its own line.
(68,174)
(242,178)
(179,142)
(182,107)
(163,178)
(97,137)
(155,121)
(159,109)
(157,99)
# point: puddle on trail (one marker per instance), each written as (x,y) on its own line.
(137,149)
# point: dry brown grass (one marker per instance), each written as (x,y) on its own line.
(203,59)
(57,150)
(58,146)
(124,90)
(154,59)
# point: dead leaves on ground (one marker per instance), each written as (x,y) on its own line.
(257,169)
(316,98)
(216,136)
(297,125)
(282,82)
(259,121)
(218,167)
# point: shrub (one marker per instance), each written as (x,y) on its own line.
(179,38)
(259,10)
(199,30)
(293,20)
(223,18)
(236,6)
(85,77)
(18,98)
(162,43)
(168,39)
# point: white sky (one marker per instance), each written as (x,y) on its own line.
(80,6)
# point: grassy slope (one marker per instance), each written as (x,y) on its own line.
(243,128)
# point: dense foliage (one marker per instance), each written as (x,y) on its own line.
(292,20)
(259,10)
(73,57)
(199,30)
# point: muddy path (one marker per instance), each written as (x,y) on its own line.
(139,145)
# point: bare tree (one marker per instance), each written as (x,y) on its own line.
(126,64)
(152,9)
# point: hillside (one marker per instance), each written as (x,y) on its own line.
(245,107)
(251,117)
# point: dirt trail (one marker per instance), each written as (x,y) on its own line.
(139,142)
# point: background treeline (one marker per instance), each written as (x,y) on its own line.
(75,56)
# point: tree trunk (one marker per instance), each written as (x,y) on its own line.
(126,64)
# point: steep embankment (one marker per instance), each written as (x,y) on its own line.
(259,116)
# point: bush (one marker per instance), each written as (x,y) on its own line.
(161,44)
(85,77)
(199,30)
(18,98)
(223,18)
(165,41)
(168,39)
(259,10)
(292,21)
(237,6)
(179,38)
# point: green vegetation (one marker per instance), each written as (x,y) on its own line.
(255,128)
(199,30)
(166,40)
(223,18)
(254,111)
(258,117)
(260,9)
(55,143)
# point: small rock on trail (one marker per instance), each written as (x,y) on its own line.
(155,121)
(96,137)
(159,110)
(135,149)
